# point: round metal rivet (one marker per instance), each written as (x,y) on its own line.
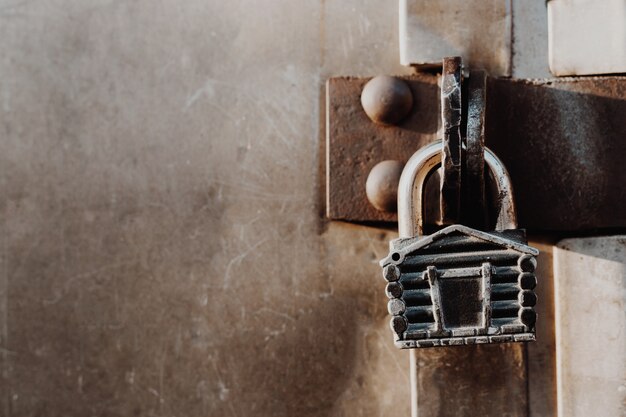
(381,186)
(527,298)
(395,307)
(391,273)
(394,290)
(527,263)
(398,324)
(386,99)
(527,280)
(527,316)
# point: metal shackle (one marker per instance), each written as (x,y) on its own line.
(421,165)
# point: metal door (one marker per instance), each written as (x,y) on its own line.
(164,249)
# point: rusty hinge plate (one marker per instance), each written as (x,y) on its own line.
(355,144)
(562,140)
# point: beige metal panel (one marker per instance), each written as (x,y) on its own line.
(587,36)
(359,38)
(530,39)
(541,354)
(477,30)
(590,294)
(162,246)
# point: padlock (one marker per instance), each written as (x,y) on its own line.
(458,286)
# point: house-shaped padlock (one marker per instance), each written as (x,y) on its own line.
(461,286)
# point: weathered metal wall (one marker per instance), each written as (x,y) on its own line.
(163,250)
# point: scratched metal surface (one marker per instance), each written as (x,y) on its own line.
(162,248)
(162,251)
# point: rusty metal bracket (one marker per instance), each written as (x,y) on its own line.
(562,141)
(355,144)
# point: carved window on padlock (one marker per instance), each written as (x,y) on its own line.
(461,286)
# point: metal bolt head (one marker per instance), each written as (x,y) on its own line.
(394,290)
(386,99)
(381,186)
(391,273)
(395,307)
(527,263)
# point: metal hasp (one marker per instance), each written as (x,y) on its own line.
(462,160)
(459,285)
(562,141)
(450,191)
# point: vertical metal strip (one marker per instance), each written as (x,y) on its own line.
(414,387)
(433,280)
(486,290)
(451,113)
(473,194)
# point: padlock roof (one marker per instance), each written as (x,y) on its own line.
(402,247)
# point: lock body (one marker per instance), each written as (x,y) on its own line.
(461,286)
